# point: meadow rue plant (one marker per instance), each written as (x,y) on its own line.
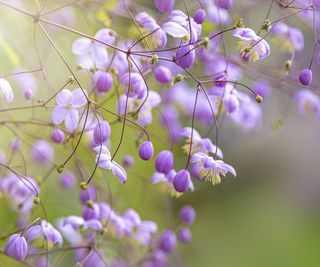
(156,86)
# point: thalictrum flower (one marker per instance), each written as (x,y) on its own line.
(211,169)
(104,161)
(16,247)
(251,45)
(67,106)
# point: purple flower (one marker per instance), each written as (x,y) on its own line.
(101,132)
(159,37)
(78,222)
(104,161)
(15,144)
(164,161)
(6,90)
(162,74)
(16,247)
(185,235)
(262,88)
(200,16)
(307,101)
(305,77)
(57,136)
(42,152)
(164,6)
(187,214)
(225,4)
(167,241)
(199,144)
(211,169)
(178,26)
(67,108)
(185,56)
(287,38)
(146,150)
(46,230)
(251,45)
(89,258)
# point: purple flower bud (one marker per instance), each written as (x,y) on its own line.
(162,74)
(200,16)
(90,213)
(89,194)
(185,56)
(128,161)
(42,152)
(187,214)
(15,144)
(16,247)
(101,132)
(57,136)
(28,94)
(225,4)
(104,82)
(167,241)
(305,76)
(185,235)
(181,181)
(146,150)
(164,6)
(67,180)
(164,161)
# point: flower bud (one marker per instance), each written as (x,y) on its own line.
(185,56)
(305,77)
(187,214)
(128,161)
(104,82)
(16,247)
(167,241)
(162,74)
(164,6)
(164,161)
(101,132)
(67,180)
(42,152)
(146,150)
(225,4)
(185,235)
(57,136)
(200,16)
(15,144)
(181,181)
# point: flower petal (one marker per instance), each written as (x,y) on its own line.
(71,120)
(6,90)
(78,98)
(63,97)
(59,114)
(81,46)
(174,29)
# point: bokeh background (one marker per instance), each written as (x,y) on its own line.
(269,215)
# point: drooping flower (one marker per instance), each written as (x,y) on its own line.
(307,101)
(104,161)
(67,106)
(42,152)
(146,150)
(187,214)
(200,16)
(167,241)
(44,230)
(251,45)
(158,37)
(305,77)
(184,235)
(211,169)
(16,247)
(6,90)
(164,161)
(287,38)
(185,56)
(57,136)
(199,144)
(164,6)
(101,132)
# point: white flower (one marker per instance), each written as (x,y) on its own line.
(6,90)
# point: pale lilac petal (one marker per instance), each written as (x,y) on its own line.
(6,90)
(78,98)
(59,114)
(94,225)
(99,54)
(33,232)
(81,46)
(63,97)
(157,177)
(71,120)
(103,150)
(174,29)
(119,171)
